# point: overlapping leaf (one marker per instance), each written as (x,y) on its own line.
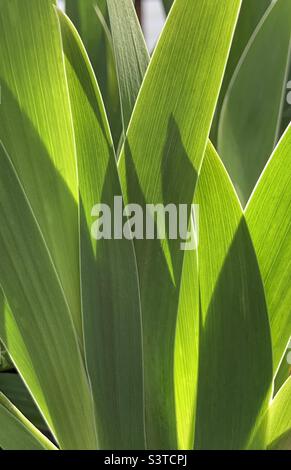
(235,363)
(14,389)
(251,115)
(159,164)
(250,15)
(131,63)
(39,221)
(37,328)
(110,293)
(167,5)
(93,30)
(38,138)
(16,432)
(279,419)
(268,217)
(131,54)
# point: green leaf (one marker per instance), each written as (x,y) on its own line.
(132,62)
(14,389)
(235,357)
(276,422)
(16,432)
(268,217)
(167,5)
(37,137)
(131,55)
(251,115)
(110,293)
(279,419)
(93,30)
(162,154)
(5,361)
(283,372)
(286,115)
(250,15)
(37,328)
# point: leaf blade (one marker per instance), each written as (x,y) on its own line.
(33,87)
(246,139)
(149,175)
(233,388)
(110,292)
(131,55)
(267,215)
(33,326)
(16,432)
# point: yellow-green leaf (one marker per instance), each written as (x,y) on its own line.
(162,154)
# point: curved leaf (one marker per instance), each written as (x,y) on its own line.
(92,28)
(5,361)
(131,55)
(251,115)
(16,432)
(110,293)
(38,138)
(37,328)
(279,419)
(268,217)
(159,164)
(235,357)
(14,389)
(250,15)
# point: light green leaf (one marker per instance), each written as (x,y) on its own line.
(276,422)
(235,357)
(110,294)
(131,54)
(37,328)
(93,30)
(251,115)
(16,432)
(37,137)
(132,62)
(268,217)
(14,389)
(162,154)
(279,419)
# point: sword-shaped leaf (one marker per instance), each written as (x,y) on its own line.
(93,30)
(37,328)
(131,63)
(250,15)
(162,154)
(131,55)
(14,389)
(279,419)
(110,293)
(251,114)
(235,357)
(16,432)
(37,136)
(268,217)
